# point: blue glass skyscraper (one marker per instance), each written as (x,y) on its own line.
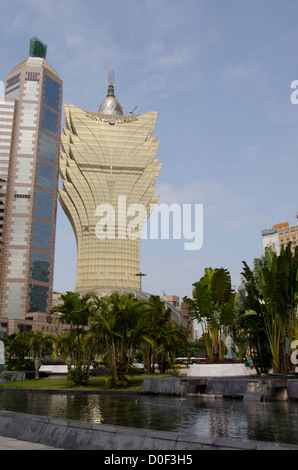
(30,139)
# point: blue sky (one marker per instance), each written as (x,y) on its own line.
(218,72)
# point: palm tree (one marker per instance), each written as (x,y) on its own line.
(164,334)
(76,310)
(16,349)
(120,322)
(20,346)
(134,326)
(104,326)
(37,341)
(213,305)
(64,344)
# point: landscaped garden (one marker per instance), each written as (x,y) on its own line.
(257,324)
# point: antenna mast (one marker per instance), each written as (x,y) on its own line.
(111,77)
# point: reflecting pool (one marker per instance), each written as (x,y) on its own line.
(262,421)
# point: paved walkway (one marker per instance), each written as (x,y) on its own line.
(8,443)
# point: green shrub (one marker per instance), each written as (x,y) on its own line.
(121,381)
(76,376)
(20,364)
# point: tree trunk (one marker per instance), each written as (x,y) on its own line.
(114,363)
(129,356)
(215,352)
(36,366)
(87,371)
(69,362)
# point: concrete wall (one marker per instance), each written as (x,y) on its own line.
(163,386)
(76,435)
(220,386)
(173,386)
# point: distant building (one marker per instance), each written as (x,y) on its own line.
(185,311)
(30,122)
(280,235)
(172,299)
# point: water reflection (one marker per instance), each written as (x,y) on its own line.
(272,422)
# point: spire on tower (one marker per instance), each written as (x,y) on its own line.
(110,104)
(111,77)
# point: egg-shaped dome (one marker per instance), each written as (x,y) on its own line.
(110,104)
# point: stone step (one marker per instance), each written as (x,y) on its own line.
(253,396)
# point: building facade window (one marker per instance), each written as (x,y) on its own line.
(43,204)
(42,232)
(21,196)
(52,91)
(40,264)
(32,76)
(46,175)
(38,296)
(49,121)
(13,80)
(47,148)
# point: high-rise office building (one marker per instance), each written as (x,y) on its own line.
(7,112)
(280,235)
(30,122)
(108,167)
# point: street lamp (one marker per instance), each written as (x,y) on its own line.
(140,276)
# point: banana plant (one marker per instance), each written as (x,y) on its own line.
(278,280)
(213,304)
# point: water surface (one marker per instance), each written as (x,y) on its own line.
(262,421)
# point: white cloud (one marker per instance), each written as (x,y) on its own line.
(199,192)
(239,72)
(174,59)
(243,223)
(250,155)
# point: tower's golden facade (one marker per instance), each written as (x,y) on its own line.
(107,157)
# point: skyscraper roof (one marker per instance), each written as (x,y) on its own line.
(37,48)
(110,104)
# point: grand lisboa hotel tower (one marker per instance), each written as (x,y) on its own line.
(108,159)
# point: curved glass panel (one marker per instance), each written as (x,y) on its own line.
(42,235)
(44,204)
(40,263)
(38,298)
(46,175)
(47,148)
(51,93)
(49,121)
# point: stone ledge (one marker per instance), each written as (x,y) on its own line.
(76,435)
(272,388)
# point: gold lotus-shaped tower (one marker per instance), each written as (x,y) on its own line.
(104,156)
